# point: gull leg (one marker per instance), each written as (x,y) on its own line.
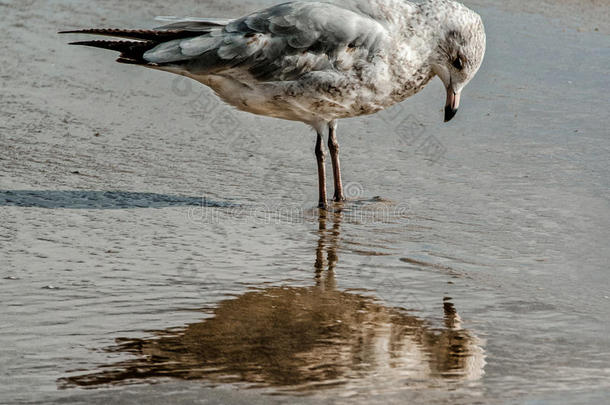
(333,146)
(321,171)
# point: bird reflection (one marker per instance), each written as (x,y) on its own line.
(302,338)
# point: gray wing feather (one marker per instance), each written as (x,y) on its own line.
(278,43)
(191,23)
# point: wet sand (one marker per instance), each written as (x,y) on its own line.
(142,221)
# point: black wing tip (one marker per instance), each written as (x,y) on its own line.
(86,43)
(132,52)
(100,43)
(93,31)
(135,34)
(129,61)
(86,31)
(98,31)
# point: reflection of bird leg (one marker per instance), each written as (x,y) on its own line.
(333,237)
(333,244)
(319,264)
(452,319)
(328,240)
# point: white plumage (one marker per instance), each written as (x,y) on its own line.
(317,62)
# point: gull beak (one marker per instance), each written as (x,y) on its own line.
(453,102)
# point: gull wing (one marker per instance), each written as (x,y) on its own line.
(277,43)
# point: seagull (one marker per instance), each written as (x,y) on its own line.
(315,61)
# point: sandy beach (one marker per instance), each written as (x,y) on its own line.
(142,222)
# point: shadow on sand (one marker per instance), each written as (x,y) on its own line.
(102,200)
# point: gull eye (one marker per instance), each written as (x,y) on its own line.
(457,63)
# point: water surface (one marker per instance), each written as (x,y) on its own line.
(158,246)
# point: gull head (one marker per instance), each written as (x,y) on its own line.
(460,48)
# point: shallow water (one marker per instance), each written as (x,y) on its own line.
(158,246)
